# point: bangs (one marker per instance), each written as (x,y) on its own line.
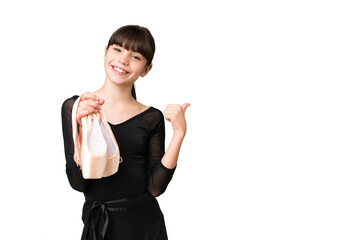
(135,38)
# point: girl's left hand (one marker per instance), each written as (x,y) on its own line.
(175,113)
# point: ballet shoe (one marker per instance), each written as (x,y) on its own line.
(95,148)
(113,152)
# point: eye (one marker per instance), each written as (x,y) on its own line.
(136,57)
(117,49)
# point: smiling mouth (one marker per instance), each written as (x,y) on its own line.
(119,70)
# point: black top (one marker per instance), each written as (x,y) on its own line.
(141,143)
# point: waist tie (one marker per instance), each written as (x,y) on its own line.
(93,220)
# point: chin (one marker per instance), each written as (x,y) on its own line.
(119,82)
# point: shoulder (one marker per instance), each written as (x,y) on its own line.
(154,117)
(149,112)
(154,113)
(69,103)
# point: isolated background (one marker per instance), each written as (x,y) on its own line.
(272,149)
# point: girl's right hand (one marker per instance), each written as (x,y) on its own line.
(89,103)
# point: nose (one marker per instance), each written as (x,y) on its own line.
(124,59)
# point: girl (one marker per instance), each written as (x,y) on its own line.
(123,206)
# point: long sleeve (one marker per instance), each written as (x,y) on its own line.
(73,171)
(158,175)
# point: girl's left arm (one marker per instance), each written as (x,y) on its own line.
(161,164)
(175,114)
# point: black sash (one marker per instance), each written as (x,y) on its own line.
(98,210)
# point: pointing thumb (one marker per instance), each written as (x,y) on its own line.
(184,106)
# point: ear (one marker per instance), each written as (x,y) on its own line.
(146,70)
(106,49)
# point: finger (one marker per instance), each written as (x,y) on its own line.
(176,107)
(91,96)
(83,112)
(168,115)
(90,103)
(87,110)
(80,114)
(185,106)
(101,101)
(88,95)
(172,113)
(173,106)
(168,118)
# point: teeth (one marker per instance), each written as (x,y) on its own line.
(119,70)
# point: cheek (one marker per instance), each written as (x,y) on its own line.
(136,68)
(143,67)
(107,60)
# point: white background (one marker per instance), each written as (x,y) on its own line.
(272,149)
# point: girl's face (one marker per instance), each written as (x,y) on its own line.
(124,66)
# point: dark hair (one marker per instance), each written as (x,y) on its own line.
(135,38)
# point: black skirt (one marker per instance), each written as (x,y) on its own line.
(138,218)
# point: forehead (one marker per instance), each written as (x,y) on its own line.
(129,42)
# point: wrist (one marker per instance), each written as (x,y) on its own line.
(179,134)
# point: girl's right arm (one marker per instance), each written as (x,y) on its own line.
(73,171)
(89,103)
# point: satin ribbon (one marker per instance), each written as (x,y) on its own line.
(103,210)
(93,222)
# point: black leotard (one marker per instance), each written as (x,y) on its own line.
(141,143)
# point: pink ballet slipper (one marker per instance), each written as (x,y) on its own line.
(95,148)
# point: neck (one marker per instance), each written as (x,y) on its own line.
(115,93)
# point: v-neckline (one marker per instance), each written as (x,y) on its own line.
(131,118)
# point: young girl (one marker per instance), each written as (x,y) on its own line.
(123,206)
